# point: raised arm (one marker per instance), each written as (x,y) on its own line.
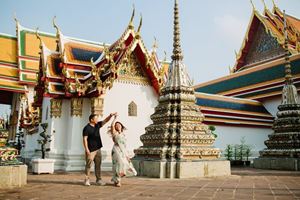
(107,118)
(113,130)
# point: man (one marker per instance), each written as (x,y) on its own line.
(92,144)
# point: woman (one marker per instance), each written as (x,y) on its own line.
(122,165)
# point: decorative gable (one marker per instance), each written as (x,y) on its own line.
(131,70)
(263,47)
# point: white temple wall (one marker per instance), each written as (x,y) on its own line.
(233,134)
(67,148)
(271,104)
(66,145)
(58,127)
(31,144)
(117,99)
(75,127)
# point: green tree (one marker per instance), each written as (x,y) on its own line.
(229,152)
(212,129)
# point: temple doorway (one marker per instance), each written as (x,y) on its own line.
(8,115)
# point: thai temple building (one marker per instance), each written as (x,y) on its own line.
(244,103)
(56,79)
(59,80)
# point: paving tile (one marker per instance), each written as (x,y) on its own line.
(243,184)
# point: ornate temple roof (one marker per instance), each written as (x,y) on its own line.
(78,68)
(263,81)
(28,52)
(272,47)
(76,51)
(62,56)
(219,109)
(259,68)
(9,75)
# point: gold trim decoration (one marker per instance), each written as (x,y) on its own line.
(30,116)
(131,26)
(55,108)
(76,107)
(97,104)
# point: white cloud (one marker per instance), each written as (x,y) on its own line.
(230,27)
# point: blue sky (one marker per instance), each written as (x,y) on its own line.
(210,30)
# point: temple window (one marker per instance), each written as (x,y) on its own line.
(132,109)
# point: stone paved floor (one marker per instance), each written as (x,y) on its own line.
(243,184)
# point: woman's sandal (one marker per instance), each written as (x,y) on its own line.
(122,174)
(118,184)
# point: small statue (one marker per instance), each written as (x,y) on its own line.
(19,144)
(45,139)
(1,123)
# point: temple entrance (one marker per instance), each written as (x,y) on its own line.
(5,112)
(8,115)
(5,108)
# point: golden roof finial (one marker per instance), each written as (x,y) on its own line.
(131,26)
(230,69)
(105,50)
(38,36)
(265,6)
(55,25)
(17,22)
(57,33)
(274,4)
(140,25)
(252,5)
(177,53)
(138,32)
(94,68)
(15,18)
(155,45)
(236,54)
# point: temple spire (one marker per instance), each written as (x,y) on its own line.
(283,144)
(177,133)
(288,73)
(177,72)
(177,53)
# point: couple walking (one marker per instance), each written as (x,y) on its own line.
(92,144)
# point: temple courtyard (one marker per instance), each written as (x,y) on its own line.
(244,183)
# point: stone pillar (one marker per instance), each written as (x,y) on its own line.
(97,104)
(73,158)
(14,117)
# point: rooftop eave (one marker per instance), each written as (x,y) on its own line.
(277,36)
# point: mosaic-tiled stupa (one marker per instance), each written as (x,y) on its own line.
(283,145)
(177,133)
